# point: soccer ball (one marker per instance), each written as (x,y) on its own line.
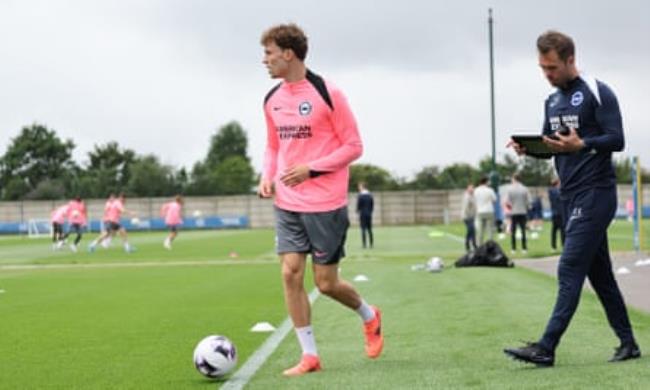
(135,221)
(215,356)
(434,264)
(197,214)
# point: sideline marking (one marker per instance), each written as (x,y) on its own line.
(241,377)
(19,267)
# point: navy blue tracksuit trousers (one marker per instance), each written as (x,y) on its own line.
(586,255)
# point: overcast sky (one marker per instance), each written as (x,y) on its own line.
(161,76)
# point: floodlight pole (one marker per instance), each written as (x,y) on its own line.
(494,175)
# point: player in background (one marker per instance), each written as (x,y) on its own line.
(107,241)
(58,219)
(77,219)
(365,207)
(312,138)
(113,215)
(172,212)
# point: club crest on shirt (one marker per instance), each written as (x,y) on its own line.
(304,108)
(577,98)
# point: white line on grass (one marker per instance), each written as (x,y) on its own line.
(19,267)
(30,267)
(455,237)
(452,236)
(240,378)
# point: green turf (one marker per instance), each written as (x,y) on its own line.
(620,236)
(133,322)
(127,328)
(447,331)
(190,246)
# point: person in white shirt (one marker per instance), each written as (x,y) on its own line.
(518,197)
(485,198)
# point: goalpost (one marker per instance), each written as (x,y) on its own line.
(38,228)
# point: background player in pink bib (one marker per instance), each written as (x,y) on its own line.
(77,219)
(112,214)
(58,219)
(172,212)
(312,138)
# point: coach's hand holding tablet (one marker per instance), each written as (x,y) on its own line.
(564,141)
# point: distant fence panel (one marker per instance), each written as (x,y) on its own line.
(391,208)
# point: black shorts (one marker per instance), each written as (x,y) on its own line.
(322,234)
(112,226)
(173,228)
(76,227)
(57,228)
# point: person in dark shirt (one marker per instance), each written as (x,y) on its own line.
(365,206)
(556,213)
(583,127)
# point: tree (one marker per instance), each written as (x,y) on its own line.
(48,189)
(15,189)
(148,177)
(536,172)
(376,178)
(457,175)
(109,168)
(505,169)
(426,178)
(201,182)
(623,169)
(226,168)
(36,155)
(229,141)
(233,175)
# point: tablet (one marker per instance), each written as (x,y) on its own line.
(534,145)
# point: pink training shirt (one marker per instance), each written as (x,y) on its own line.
(302,128)
(77,212)
(107,206)
(171,211)
(58,215)
(114,211)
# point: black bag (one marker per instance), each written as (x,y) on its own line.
(489,254)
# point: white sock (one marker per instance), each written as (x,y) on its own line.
(307,340)
(127,247)
(365,311)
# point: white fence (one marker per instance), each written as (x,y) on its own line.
(391,208)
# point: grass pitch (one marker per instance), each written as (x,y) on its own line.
(111,320)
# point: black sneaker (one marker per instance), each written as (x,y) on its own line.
(532,353)
(625,352)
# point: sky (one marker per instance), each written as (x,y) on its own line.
(160,77)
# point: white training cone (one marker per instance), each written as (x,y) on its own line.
(641,263)
(623,271)
(361,278)
(262,327)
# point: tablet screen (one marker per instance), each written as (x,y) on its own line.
(534,145)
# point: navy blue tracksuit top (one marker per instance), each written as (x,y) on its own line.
(590,107)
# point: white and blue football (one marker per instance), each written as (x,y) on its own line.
(215,356)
